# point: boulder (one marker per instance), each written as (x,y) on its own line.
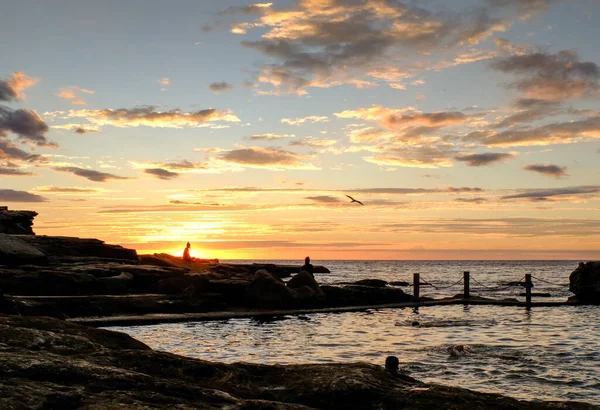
(305,279)
(16,222)
(266,290)
(14,251)
(584,282)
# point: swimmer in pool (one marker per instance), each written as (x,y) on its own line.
(458,350)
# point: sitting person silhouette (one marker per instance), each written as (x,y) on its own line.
(307,266)
(186,253)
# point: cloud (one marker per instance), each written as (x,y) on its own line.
(569,193)
(162,173)
(258,157)
(553,171)
(525,7)
(328,42)
(546,76)
(8,151)
(149,116)
(27,124)
(299,121)
(90,174)
(476,200)
(164,81)
(478,160)
(393,118)
(12,88)
(313,142)
(14,172)
(270,136)
(529,109)
(220,87)
(10,195)
(68,190)
(324,199)
(69,93)
(258,8)
(555,133)
(174,167)
(419,191)
(419,156)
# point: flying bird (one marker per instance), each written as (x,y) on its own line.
(354,200)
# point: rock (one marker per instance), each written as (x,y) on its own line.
(266,290)
(191,285)
(304,279)
(56,248)
(14,251)
(165,259)
(375,283)
(16,222)
(355,295)
(399,283)
(51,364)
(584,282)
(84,279)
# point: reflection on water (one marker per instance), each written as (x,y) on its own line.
(549,353)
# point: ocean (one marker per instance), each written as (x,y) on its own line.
(542,353)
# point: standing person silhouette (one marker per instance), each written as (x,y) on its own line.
(307,266)
(186,253)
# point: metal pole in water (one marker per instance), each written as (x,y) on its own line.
(467,285)
(528,286)
(416,281)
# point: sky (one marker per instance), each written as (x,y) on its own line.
(468,129)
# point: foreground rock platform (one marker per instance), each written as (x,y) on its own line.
(51,364)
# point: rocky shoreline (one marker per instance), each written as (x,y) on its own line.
(48,363)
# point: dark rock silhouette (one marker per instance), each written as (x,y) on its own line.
(16,222)
(584,282)
(52,364)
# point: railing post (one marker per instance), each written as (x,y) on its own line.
(467,285)
(528,286)
(416,282)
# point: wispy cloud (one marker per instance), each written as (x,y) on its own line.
(149,116)
(90,174)
(71,93)
(270,136)
(568,193)
(299,121)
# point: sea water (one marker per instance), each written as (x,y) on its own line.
(542,353)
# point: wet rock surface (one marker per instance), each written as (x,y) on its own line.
(584,282)
(50,364)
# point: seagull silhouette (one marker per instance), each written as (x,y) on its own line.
(354,200)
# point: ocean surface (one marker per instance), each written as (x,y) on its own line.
(542,353)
